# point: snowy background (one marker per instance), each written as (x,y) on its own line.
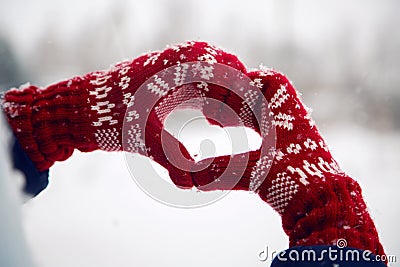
(344,56)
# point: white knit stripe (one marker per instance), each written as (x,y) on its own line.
(135,140)
(283,189)
(103,108)
(108,139)
(158,86)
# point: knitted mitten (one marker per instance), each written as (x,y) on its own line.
(88,112)
(318,202)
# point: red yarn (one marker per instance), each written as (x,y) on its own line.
(318,202)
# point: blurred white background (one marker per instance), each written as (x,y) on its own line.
(344,56)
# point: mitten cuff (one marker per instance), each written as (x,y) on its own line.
(331,211)
(46,121)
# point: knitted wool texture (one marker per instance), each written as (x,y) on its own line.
(318,202)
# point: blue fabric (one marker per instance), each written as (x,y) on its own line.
(35,181)
(324,256)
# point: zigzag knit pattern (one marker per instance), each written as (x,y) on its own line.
(318,202)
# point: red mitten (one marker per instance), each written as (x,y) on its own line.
(88,112)
(318,202)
